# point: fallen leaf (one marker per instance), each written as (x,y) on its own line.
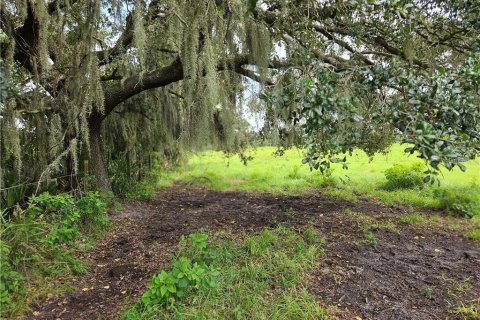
(85,289)
(124,291)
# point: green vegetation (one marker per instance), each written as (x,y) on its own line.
(367,176)
(468,312)
(402,176)
(369,225)
(460,201)
(39,243)
(261,276)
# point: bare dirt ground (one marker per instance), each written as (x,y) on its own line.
(403,273)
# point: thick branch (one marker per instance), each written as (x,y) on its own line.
(136,84)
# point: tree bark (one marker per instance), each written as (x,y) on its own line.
(97,160)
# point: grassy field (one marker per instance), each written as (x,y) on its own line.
(287,175)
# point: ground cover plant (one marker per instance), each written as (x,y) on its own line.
(260,276)
(39,243)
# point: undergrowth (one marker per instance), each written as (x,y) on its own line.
(259,276)
(39,243)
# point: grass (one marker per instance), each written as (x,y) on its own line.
(469,228)
(260,276)
(468,312)
(369,226)
(286,175)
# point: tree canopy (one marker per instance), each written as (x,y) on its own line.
(98,79)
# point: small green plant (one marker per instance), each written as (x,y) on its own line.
(12,196)
(371,238)
(401,176)
(186,273)
(460,202)
(473,234)
(428,293)
(289,213)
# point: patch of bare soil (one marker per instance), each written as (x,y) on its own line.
(408,274)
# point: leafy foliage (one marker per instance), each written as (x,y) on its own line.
(436,113)
(186,273)
(40,241)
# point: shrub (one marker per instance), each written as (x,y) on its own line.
(401,176)
(462,202)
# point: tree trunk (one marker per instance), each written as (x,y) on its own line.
(97,160)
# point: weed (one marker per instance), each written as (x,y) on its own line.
(473,234)
(428,293)
(468,312)
(289,213)
(369,225)
(259,276)
(464,202)
(371,238)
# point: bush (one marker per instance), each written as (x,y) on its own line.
(401,176)
(462,202)
(40,241)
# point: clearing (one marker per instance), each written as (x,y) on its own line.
(380,262)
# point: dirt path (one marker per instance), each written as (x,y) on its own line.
(403,273)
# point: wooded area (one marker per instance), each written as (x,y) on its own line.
(107,79)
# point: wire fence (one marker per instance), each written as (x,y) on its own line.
(37,182)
